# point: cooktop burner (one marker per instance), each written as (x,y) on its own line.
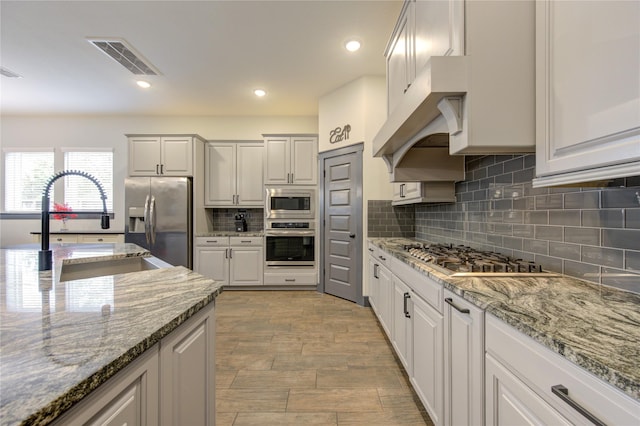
(466,261)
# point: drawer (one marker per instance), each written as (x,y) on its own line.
(383,257)
(245,241)
(271,278)
(212,241)
(61,239)
(372,249)
(541,368)
(428,289)
(98,238)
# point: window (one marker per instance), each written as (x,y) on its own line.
(80,193)
(26,174)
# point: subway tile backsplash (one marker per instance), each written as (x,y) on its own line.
(224,219)
(385,220)
(590,233)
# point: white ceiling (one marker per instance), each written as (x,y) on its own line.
(211,54)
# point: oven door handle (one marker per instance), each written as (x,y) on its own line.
(290,233)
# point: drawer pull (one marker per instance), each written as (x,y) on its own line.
(212,241)
(563,393)
(58,239)
(245,241)
(290,280)
(370,249)
(383,258)
(100,239)
(458,308)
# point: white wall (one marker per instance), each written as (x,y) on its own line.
(109,131)
(361,104)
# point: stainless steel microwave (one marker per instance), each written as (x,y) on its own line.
(290,203)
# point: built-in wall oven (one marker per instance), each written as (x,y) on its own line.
(290,243)
(283,202)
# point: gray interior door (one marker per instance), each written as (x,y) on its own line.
(342,225)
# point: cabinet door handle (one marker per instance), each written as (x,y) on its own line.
(292,177)
(458,308)
(563,393)
(161,169)
(375,270)
(407,296)
(157,169)
(226,253)
(237,199)
(382,258)
(402,190)
(230,253)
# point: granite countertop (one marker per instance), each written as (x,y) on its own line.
(230,234)
(595,327)
(61,340)
(72,232)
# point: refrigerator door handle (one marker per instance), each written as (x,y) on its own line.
(152,216)
(147,220)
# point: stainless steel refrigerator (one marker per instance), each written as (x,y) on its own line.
(158,217)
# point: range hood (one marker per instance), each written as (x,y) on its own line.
(443,81)
(481,102)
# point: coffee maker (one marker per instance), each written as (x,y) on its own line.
(241,223)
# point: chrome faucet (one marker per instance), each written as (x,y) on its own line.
(44,255)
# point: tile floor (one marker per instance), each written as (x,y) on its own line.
(305,358)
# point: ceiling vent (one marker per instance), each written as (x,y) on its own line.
(122,52)
(9,73)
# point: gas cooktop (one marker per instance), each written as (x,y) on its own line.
(466,261)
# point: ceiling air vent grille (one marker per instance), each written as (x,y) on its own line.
(121,52)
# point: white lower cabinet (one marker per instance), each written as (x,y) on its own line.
(130,397)
(172,383)
(511,402)
(187,373)
(235,261)
(527,383)
(463,362)
(380,288)
(402,325)
(428,362)
(246,261)
(372,281)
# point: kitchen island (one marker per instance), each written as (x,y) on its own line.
(60,341)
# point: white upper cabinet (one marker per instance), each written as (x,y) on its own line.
(400,64)
(588,91)
(291,160)
(161,155)
(234,174)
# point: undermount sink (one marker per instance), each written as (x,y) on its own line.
(100,268)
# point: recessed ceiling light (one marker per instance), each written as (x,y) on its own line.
(143,84)
(352,45)
(259,92)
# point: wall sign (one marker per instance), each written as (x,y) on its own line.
(339,134)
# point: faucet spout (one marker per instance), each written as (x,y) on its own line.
(44,255)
